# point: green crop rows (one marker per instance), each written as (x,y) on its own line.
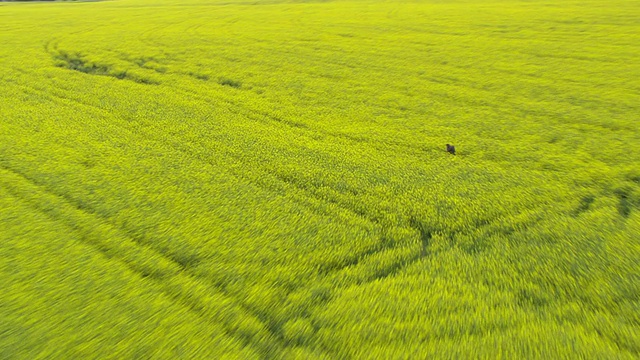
(209,179)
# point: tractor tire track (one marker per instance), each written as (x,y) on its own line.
(166,273)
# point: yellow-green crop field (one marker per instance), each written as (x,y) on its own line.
(209,179)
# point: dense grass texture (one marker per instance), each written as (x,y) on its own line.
(268,179)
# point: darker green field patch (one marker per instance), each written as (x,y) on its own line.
(532,296)
(624,202)
(229,82)
(78,62)
(425,235)
(585,204)
(150,63)
(199,76)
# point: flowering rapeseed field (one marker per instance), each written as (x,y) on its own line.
(269,179)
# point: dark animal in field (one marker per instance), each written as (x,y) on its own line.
(451,149)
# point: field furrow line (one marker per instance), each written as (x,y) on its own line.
(265,179)
(302,128)
(169,275)
(179,278)
(170,141)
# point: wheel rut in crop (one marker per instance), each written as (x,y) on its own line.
(625,203)
(168,275)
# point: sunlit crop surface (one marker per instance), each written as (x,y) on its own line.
(268,179)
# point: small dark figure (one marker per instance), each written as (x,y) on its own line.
(451,149)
